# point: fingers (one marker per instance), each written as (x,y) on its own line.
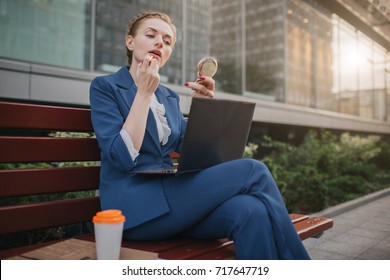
(209,94)
(202,87)
(147,74)
(148,61)
(208,82)
(148,64)
(200,90)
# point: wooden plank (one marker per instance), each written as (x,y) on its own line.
(56,180)
(44,149)
(186,248)
(47,214)
(194,249)
(298,217)
(158,245)
(172,248)
(312,226)
(225,253)
(16,252)
(44,117)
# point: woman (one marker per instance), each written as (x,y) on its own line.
(138,123)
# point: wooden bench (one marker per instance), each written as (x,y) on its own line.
(25,138)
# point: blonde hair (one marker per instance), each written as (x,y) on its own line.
(133,25)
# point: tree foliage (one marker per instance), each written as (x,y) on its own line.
(325,169)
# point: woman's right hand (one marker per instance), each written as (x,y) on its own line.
(148,77)
(147,80)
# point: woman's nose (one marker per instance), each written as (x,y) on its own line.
(159,41)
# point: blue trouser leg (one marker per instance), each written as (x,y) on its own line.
(193,199)
(245,221)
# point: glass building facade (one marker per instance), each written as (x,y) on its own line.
(43,31)
(288,51)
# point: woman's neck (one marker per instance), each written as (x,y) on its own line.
(133,72)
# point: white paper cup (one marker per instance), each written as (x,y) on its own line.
(108,226)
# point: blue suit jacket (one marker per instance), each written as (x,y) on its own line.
(141,198)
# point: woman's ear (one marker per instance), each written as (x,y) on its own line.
(129,42)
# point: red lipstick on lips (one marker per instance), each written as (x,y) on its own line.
(155,53)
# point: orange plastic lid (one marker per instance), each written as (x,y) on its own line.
(111,216)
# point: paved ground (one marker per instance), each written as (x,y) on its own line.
(361,230)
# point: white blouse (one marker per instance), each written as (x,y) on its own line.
(163,129)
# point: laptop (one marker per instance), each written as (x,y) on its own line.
(217,131)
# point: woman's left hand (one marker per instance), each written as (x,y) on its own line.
(203,87)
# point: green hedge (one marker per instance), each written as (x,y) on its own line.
(326,170)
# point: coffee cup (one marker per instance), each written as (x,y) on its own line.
(108,225)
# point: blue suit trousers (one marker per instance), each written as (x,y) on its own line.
(237,199)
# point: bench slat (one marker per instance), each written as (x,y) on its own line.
(12,252)
(194,249)
(158,245)
(47,214)
(312,226)
(298,217)
(225,253)
(46,149)
(44,117)
(56,180)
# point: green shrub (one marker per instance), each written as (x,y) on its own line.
(382,160)
(325,169)
(358,168)
(250,150)
(303,190)
(345,187)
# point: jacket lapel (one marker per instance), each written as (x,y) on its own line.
(171,112)
(128,89)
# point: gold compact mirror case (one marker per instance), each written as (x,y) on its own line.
(207,66)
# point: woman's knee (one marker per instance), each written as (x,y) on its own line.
(254,164)
(247,208)
(256,167)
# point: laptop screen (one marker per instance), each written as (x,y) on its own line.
(217,131)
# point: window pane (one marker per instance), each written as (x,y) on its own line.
(309,56)
(264,50)
(348,60)
(381,65)
(366,78)
(197,35)
(383,114)
(226,44)
(50,32)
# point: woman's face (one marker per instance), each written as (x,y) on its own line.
(154,37)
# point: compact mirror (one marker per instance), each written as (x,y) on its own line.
(207,66)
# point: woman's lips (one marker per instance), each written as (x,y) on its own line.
(155,53)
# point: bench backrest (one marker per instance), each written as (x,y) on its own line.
(25,138)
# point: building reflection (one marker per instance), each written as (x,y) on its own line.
(321,54)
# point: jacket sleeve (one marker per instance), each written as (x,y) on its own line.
(107,122)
